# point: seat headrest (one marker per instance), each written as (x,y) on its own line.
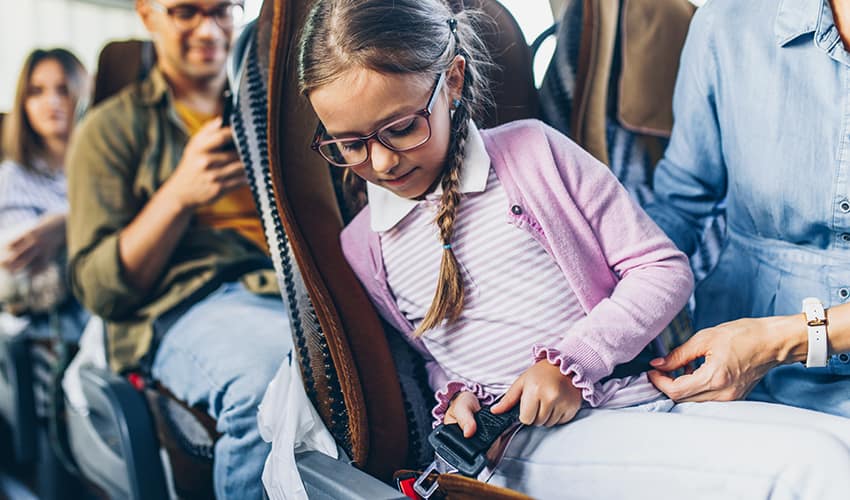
(652,36)
(121,63)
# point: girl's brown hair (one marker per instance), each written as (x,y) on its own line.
(21,143)
(406,37)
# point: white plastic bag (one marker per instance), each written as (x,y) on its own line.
(92,353)
(289,422)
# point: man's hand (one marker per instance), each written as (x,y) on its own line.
(545,395)
(737,355)
(208,169)
(462,411)
(37,247)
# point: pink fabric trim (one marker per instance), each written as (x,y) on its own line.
(445,395)
(569,367)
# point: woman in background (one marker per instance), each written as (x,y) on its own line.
(33,192)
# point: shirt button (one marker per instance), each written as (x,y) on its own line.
(843,293)
(844,357)
(516,209)
(845,237)
(844,206)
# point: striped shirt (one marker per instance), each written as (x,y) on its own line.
(516,295)
(27,194)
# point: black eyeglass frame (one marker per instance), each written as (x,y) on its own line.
(197,20)
(425,113)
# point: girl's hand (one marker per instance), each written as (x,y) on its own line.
(462,411)
(545,395)
(37,247)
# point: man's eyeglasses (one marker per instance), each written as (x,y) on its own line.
(400,135)
(187,16)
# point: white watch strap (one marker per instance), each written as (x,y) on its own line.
(816,324)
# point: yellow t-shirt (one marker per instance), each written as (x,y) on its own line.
(235,210)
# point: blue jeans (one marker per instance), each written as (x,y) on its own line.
(221,354)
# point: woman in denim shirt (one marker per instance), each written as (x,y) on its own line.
(762,137)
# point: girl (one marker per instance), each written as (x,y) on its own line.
(547,274)
(33,191)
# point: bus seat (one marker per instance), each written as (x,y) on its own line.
(2,117)
(371,399)
(29,378)
(120,63)
(17,401)
(615,61)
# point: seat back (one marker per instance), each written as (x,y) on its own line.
(615,60)
(2,117)
(347,362)
(121,62)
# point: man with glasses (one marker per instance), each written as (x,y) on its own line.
(166,243)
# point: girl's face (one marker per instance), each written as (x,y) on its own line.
(49,105)
(362,101)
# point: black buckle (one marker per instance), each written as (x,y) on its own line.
(455,453)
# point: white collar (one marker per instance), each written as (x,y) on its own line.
(388,209)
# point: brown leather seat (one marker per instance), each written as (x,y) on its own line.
(120,63)
(347,363)
(2,117)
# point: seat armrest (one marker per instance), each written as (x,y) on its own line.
(328,478)
(127,417)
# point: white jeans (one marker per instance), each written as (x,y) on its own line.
(742,449)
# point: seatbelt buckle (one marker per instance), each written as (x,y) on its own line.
(467,456)
(440,466)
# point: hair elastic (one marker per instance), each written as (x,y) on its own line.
(447,246)
(453,28)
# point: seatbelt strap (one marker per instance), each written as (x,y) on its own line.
(454,453)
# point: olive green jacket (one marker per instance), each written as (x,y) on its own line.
(121,153)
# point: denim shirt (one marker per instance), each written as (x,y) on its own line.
(762,136)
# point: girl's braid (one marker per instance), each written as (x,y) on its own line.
(449,297)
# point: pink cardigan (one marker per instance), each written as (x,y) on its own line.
(630,279)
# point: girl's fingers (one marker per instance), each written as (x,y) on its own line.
(552,417)
(528,409)
(466,420)
(510,398)
(449,418)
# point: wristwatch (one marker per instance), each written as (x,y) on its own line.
(816,325)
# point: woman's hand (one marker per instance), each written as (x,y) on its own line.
(737,355)
(37,247)
(546,396)
(462,411)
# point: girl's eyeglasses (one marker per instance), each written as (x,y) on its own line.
(402,134)
(187,16)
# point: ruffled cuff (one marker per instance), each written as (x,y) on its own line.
(445,395)
(569,367)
